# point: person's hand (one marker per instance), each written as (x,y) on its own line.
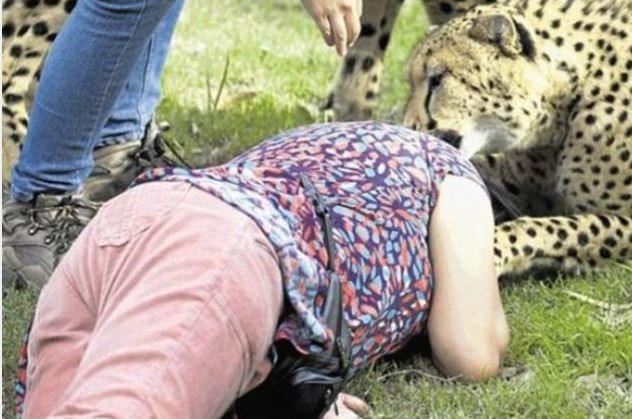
(348,406)
(338,21)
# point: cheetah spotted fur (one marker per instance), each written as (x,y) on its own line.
(564,128)
(539,93)
(28,29)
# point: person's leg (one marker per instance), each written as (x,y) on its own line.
(130,141)
(90,62)
(86,70)
(179,321)
(64,325)
(136,105)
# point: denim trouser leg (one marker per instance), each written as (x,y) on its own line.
(88,66)
(137,103)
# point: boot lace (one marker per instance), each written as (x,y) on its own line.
(64,226)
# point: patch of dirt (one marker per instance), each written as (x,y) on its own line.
(599,390)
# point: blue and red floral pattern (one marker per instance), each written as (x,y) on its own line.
(379,183)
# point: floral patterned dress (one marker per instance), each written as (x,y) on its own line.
(379,184)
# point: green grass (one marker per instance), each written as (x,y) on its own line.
(17,309)
(279,72)
(572,362)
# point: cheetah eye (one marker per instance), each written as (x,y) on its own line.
(435,80)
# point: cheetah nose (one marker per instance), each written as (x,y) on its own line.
(451,137)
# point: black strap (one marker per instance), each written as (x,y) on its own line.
(323,214)
(333,313)
(304,386)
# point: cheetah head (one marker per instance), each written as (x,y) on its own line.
(476,83)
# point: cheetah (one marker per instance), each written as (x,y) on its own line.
(539,94)
(547,82)
(356,87)
(29,28)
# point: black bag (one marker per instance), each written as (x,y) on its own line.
(303,386)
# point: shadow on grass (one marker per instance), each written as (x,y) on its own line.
(207,138)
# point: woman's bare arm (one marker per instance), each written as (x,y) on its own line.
(467,326)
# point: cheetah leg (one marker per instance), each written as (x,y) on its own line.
(591,180)
(573,244)
(24,48)
(522,177)
(357,85)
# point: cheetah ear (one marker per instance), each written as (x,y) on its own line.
(510,36)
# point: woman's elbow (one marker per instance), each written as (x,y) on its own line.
(480,360)
(480,365)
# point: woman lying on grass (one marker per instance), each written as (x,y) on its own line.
(271,280)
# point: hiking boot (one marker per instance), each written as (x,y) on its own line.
(35,236)
(116,166)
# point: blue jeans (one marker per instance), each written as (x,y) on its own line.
(100,85)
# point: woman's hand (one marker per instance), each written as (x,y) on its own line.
(338,21)
(348,406)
